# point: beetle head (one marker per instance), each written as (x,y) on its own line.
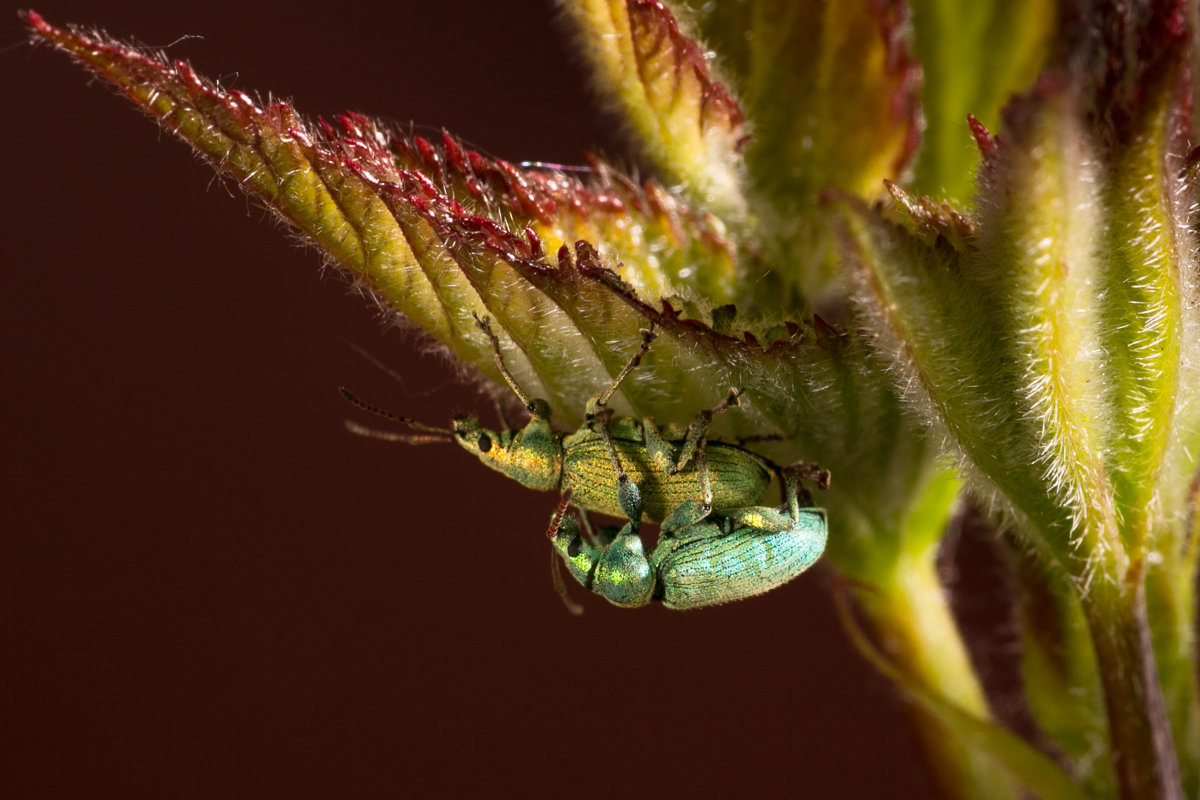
(530,456)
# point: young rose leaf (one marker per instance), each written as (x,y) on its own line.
(410,219)
(568,268)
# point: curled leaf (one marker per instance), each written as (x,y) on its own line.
(831,96)
(682,115)
(851,117)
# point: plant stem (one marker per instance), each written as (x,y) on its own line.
(1143,749)
(912,620)
(1171,603)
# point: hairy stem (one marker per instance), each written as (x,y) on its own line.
(1171,603)
(1142,745)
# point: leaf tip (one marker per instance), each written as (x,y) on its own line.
(39,28)
(984,139)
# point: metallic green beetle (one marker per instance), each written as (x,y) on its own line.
(612,465)
(699,564)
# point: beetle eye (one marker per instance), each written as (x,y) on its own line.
(485,443)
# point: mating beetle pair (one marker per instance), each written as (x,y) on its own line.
(625,467)
(695,564)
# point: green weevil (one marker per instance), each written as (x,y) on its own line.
(696,564)
(611,465)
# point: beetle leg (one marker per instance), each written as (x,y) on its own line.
(629,497)
(685,515)
(597,403)
(589,532)
(599,419)
(798,497)
(485,324)
(501,414)
(813,471)
(699,429)
(776,520)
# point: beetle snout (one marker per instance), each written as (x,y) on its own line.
(471,435)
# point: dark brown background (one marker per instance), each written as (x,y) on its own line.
(207,587)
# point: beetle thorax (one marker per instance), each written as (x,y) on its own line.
(535,463)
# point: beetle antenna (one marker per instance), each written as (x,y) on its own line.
(560,586)
(390,436)
(432,434)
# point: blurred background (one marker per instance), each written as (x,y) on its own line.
(209,588)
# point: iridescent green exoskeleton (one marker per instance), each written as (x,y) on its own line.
(698,564)
(611,465)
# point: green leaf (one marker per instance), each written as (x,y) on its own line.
(1045,332)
